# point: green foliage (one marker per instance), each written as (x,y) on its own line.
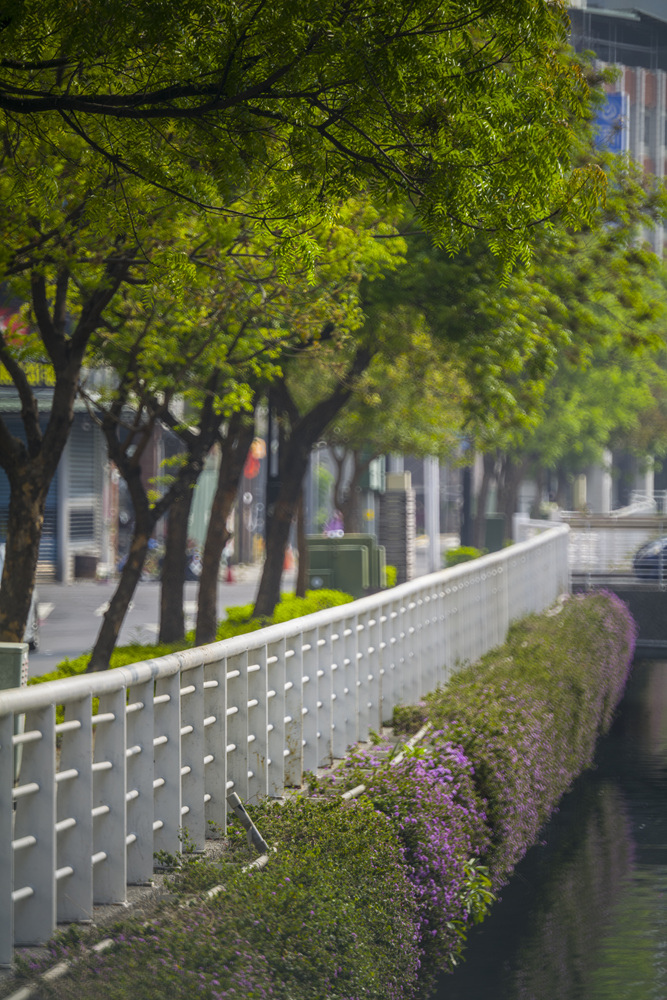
(596,302)
(461,554)
(315,600)
(239,615)
(477,895)
(528,714)
(332,914)
(470,116)
(408,718)
(410,399)
(391,575)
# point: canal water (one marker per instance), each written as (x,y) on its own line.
(584,917)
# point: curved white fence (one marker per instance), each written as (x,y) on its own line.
(165,740)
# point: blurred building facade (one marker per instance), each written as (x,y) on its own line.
(632,37)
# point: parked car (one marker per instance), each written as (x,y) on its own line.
(31,634)
(650,561)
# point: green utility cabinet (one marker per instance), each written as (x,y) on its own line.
(494,533)
(352,563)
(14,673)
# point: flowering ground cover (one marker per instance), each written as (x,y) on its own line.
(529,715)
(367,898)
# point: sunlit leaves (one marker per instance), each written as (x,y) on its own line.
(467,110)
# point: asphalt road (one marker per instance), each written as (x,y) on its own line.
(71,614)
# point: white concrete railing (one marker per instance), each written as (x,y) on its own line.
(99,793)
(602,544)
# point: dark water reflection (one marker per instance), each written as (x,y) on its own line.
(585,916)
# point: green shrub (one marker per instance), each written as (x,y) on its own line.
(529,713)
(391,575)
(240,614)
(408,718)
(464,553)
(331,915)
(315,600)
(431,800)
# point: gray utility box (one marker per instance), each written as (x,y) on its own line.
(352,563)
(14,673)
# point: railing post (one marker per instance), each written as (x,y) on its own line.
(309,665)
(439,635)
(237,723)
(167,798)
(277,748)
(215,747)
(258,721)
(383,663)
(365,678)
(412,653)
(6,833)
(75,812)
(340,694)
(346,680)
(396,651)
(35,866)
(109,800)
(192,756)
(324,696)
(140,777)
(294,716)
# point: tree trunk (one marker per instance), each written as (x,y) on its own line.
(561,487)
(339,496)
(234,451)
(24,529)
(285,506)
(31,466)
(172,585)
(146,517)
(509,494)
(350,507)
(302,547)
(294,455)
(479,524)
(115,613)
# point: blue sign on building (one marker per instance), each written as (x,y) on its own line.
(612,125)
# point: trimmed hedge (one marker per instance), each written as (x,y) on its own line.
(430,798)
(332,915)
(529,715)
(462,554)
(367,899)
